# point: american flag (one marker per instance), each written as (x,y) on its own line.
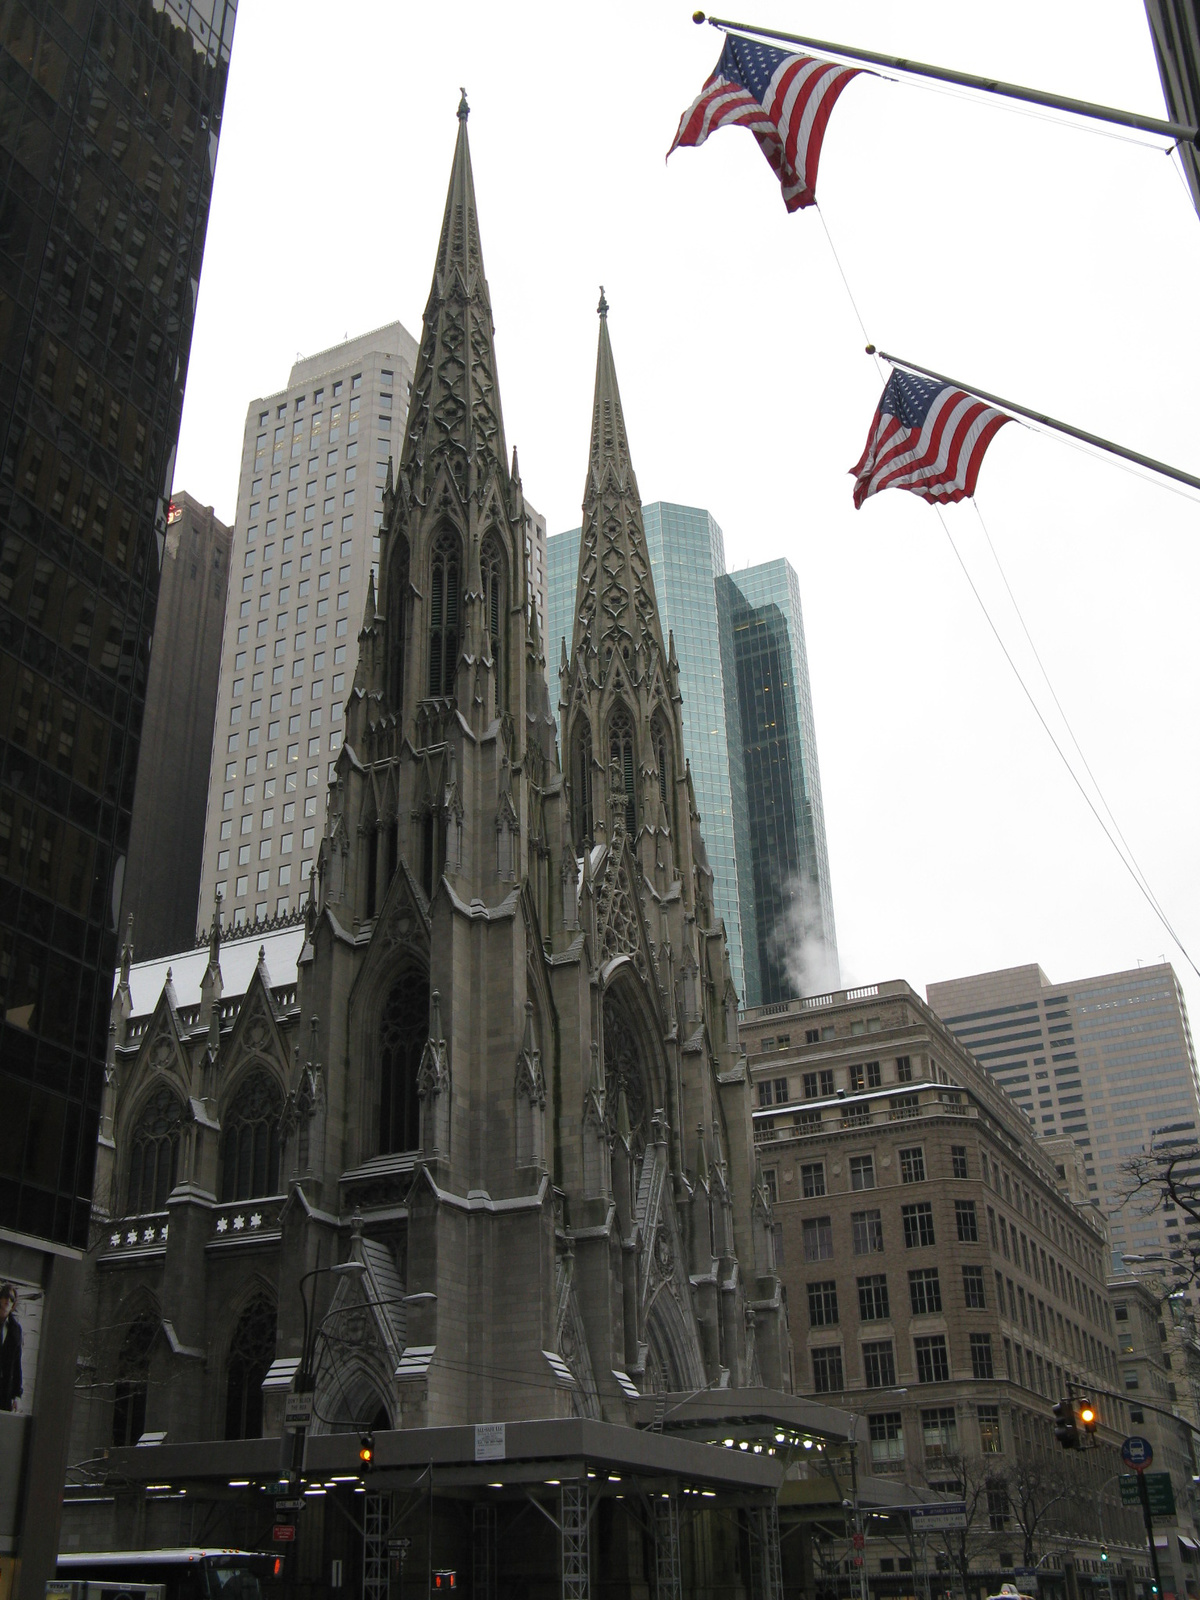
(927,436)
(784,100)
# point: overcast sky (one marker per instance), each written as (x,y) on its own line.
(1048,263)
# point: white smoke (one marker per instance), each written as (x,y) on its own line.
(798,943)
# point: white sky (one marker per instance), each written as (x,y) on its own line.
(1050,264)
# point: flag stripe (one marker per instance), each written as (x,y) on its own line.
(927,437)
(785,102)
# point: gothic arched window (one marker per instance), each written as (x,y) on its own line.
(251,1352)
(132,1380)
(584,818)
(624,1071)
(620,748)
(403,1030)
(154,1152)
(443,614)
(250,1140)
(666,770)
(397,620)
(492,571)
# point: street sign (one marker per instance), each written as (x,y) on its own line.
(1137,1452)
(298,1411)
(944,1518)
(290,1505)
(859,1540)
(284,1533)
(1158,1491)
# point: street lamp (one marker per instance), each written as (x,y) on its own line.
(305,1379)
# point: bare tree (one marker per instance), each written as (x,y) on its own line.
(1038,1491)
(972,1481)
(1167,1174)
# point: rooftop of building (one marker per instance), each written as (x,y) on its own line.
(1032,976)
(280,946)
(393,338)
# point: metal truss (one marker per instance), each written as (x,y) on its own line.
(377,1510)
(576,1563)
(667,1571)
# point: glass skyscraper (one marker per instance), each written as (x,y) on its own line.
(740,643)
(788,860)
(111,111)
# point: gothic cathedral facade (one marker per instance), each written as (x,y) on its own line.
(507,1079)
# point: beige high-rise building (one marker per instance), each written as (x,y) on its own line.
(1107,1061)
(945,1278)
(306,543)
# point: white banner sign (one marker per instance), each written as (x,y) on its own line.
(489,1441)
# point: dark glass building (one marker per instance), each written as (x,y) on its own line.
(766,673)
(109,117)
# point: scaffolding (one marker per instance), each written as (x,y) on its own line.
(483,1552)
(576,1562)
(377,1510)
(766,1573)
(668,1575)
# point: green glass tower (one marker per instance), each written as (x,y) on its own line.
(766,673)
(749,735)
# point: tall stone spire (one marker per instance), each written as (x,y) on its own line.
(454,412)
(615,608)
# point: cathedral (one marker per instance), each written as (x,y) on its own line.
(465,1153)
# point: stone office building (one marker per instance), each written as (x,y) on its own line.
(498,1126)
(945,1273)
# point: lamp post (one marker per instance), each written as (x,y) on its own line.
(860,1539)
(305,1380)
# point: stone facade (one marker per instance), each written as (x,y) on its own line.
(495,1068)
(945,1271)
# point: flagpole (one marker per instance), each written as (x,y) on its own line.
(1057,102)
(1049,422)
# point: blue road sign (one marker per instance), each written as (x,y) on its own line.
(1137,1452)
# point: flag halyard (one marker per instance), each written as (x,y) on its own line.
(927,437)
(784,100)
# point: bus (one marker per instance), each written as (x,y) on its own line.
(196,1573)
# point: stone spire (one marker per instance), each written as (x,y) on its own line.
(615,606)
(454,412)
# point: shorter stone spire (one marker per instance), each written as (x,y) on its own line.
(602,308)
(464,110)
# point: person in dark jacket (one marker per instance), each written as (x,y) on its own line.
(11,1382)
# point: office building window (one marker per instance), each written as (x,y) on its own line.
(925,1291)
(887,1438)
(812,1179)
(827,1370)
(958,1160)
(966,1221)
(973,1293)
(867,1231)
(823,1303)
(939,1431)
(918,1224)
(981,1356)
(912,1165)
(817,1233)
(933,1361)
(862,1172)
(879,1364)
(873,1298)
(989,1430)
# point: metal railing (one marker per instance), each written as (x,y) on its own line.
(767,1131)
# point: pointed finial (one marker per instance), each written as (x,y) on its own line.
(369,607)
(527,1041)
(127,951)
(435,1020)
(515,474)
(464,110)
(602,308)
(389,486)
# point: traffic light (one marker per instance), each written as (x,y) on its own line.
(1104,1555)
(366,1452)
(444,1580)
(1086,1416)
(1066,1430)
